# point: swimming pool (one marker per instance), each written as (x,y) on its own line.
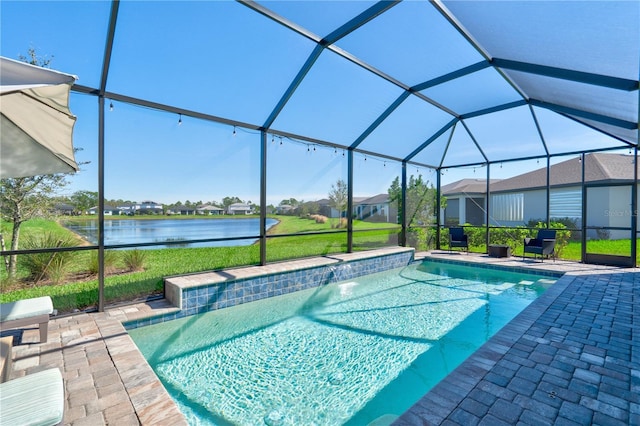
(352,352)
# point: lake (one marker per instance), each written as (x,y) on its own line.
(136,231)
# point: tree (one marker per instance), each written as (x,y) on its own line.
(24,198)
(420,208)
(84,200)
(309,208)
(338,197)
(33,59)
(421,200)
(290,202)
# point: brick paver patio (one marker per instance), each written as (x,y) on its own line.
(572,357)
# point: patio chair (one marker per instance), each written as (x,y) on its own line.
(457,238)
(34,399)
(544,244)
(27,312)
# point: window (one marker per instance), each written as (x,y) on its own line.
(566,203)
(507,207)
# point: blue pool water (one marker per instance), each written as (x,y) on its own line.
(135,231)
(353,352)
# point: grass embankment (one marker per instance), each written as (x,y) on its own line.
(81,291)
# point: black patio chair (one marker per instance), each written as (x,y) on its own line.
(544,244)
(457,238)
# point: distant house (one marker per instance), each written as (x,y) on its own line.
(209,209)
(64,209)
(372,209)
(285,209)
(326,209)
(149,207)
(145,207)
(128,209)
(466,201)
(375,209)
(179,210)
(522,198)
(240,208)
(108,210)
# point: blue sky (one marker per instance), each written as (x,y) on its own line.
(221,58)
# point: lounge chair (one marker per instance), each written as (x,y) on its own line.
(6,347)
(544,244)
(27,312)
(457,238)
(34,399)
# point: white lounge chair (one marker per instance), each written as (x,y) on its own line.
(27,312)
(34,399)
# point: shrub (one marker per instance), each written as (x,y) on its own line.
(54,266)
(421,239)
(342,223)
(318,218)
(512,237)
(477,235)
(110,260)
(134,259)
(415,238)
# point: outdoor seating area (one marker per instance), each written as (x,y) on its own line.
(543,244)
(34,399)
(458,239)
(27,312)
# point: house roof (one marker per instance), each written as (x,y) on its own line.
(467,186)
(599,167)
(240,206)
(209,207)
(106,207)
(376,199)
(64,206)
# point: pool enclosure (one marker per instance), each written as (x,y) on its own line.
(392,120)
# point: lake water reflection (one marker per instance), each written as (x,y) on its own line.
(135,231)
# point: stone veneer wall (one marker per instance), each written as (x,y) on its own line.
(231,292)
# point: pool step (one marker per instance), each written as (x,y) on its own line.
(384,420)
